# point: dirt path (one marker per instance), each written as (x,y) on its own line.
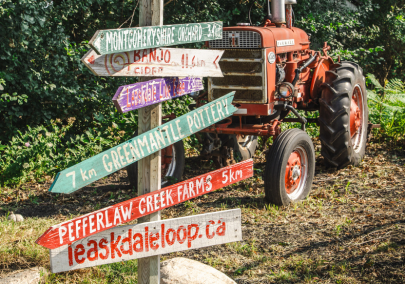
(350,230)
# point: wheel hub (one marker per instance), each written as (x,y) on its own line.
(355,113)
(293,172)
(296,172)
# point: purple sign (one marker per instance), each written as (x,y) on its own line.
(151,92)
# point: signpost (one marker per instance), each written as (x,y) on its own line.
(158,62)
(132,209)
(138,95)
(149,239)
(121,40)
(139,147)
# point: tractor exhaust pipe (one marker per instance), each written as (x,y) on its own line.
(279,9)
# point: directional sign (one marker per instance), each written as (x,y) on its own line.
(148,239)
(118,157)
(134,96)
(121,40)
(106,218)
(160,62)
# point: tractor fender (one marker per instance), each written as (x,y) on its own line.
(318,78)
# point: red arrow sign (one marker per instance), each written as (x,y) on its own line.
(109,217)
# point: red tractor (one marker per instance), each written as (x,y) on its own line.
(275,73)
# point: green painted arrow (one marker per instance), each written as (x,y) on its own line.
(118,157)
(121,40)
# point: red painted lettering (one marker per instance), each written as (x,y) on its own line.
(174,236)
(104,246)
(79,250)
(70,252)
(146,239)
(137,56)
(221,229)
(129,241)
(207,230)
(152,55)
(153,241)
(145,55)
(167,56)
(163,235)
(181,240)
(138,240)
(94,249)
(192,237)
(114,246)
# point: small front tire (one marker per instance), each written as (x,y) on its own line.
(290,168)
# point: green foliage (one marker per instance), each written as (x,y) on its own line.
(45,150)
(372,33)
(387,107)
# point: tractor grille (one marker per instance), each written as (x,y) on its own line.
(237,39)
(244,72)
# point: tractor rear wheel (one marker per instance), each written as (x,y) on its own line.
(172,166)
(290,168)
(343,115)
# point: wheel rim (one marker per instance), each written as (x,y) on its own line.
(168,161)
(357,118)
(296,173)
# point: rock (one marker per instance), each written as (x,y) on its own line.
(27,276)
(181,270)
(11,217)
(15,217)
(19,218)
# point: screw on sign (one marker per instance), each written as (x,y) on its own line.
(162,62)
(106,218)
(138,95)
(120,156)
(148,239)
(121,40)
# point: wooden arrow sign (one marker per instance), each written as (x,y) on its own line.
(134,96)
(148,239)
(109,217)
(121,40)
(118,157)
(160,62)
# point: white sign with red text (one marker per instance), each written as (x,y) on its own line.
(148,239)
(160,62)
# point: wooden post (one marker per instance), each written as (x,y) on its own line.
(149,168)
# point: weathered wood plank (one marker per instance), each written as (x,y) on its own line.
(128,39)
(160,62)
(139,95)
(120,156)
(149,168)
(132,209)
(147,239)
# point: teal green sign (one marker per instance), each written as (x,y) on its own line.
(117,158)
(121,40)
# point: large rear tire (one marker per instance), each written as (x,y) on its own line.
(290,168)
(343,115)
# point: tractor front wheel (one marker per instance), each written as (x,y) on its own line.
(290,167)
(343,116)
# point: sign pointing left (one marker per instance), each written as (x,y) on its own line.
(121,40)
(120,156)
(156,62)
